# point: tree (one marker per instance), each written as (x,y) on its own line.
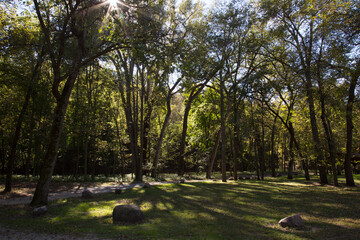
(343,18)
(16,35)
(64,36)
(298,27)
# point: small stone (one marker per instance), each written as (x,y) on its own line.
(86,194)
(231,178)
(39,211)
(146,185)
(127,213)
(118,191)
(182,180)
(294,221)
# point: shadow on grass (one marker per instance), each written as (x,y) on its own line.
(236,210)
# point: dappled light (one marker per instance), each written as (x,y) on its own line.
(214,210)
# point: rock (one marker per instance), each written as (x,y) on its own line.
(128,214)
(294,221)
(39,211)
(182,180)
(146,185)
(118,191)
(86,194)
(231,178)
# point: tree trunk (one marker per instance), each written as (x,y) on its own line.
(272,155)
(236,146)
(315,131)
(181,169)
(349,127)
(2,156)
(327,127)
(223,133)
(213,155)
(42,188)
(11,161)
(161,137)
(194,93)
(291,159)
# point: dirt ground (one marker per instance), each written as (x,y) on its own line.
(26,189)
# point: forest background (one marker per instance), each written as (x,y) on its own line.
(149,87)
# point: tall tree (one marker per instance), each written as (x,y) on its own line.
(298,28)
(23,60)
(66,35)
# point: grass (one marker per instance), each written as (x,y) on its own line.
(245,209)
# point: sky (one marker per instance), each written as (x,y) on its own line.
(208,3)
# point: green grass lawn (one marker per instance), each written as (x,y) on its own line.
(245,209)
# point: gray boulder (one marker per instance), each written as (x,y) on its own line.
(39,211)
(86,194)
(294,221)
(127,214)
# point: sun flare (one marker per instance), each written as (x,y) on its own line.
(113,3)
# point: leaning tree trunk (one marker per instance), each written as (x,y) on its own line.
(349,127)
(181,169)
(162,135)
(213,155)
(194,93)
(11,161)
(42,188)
